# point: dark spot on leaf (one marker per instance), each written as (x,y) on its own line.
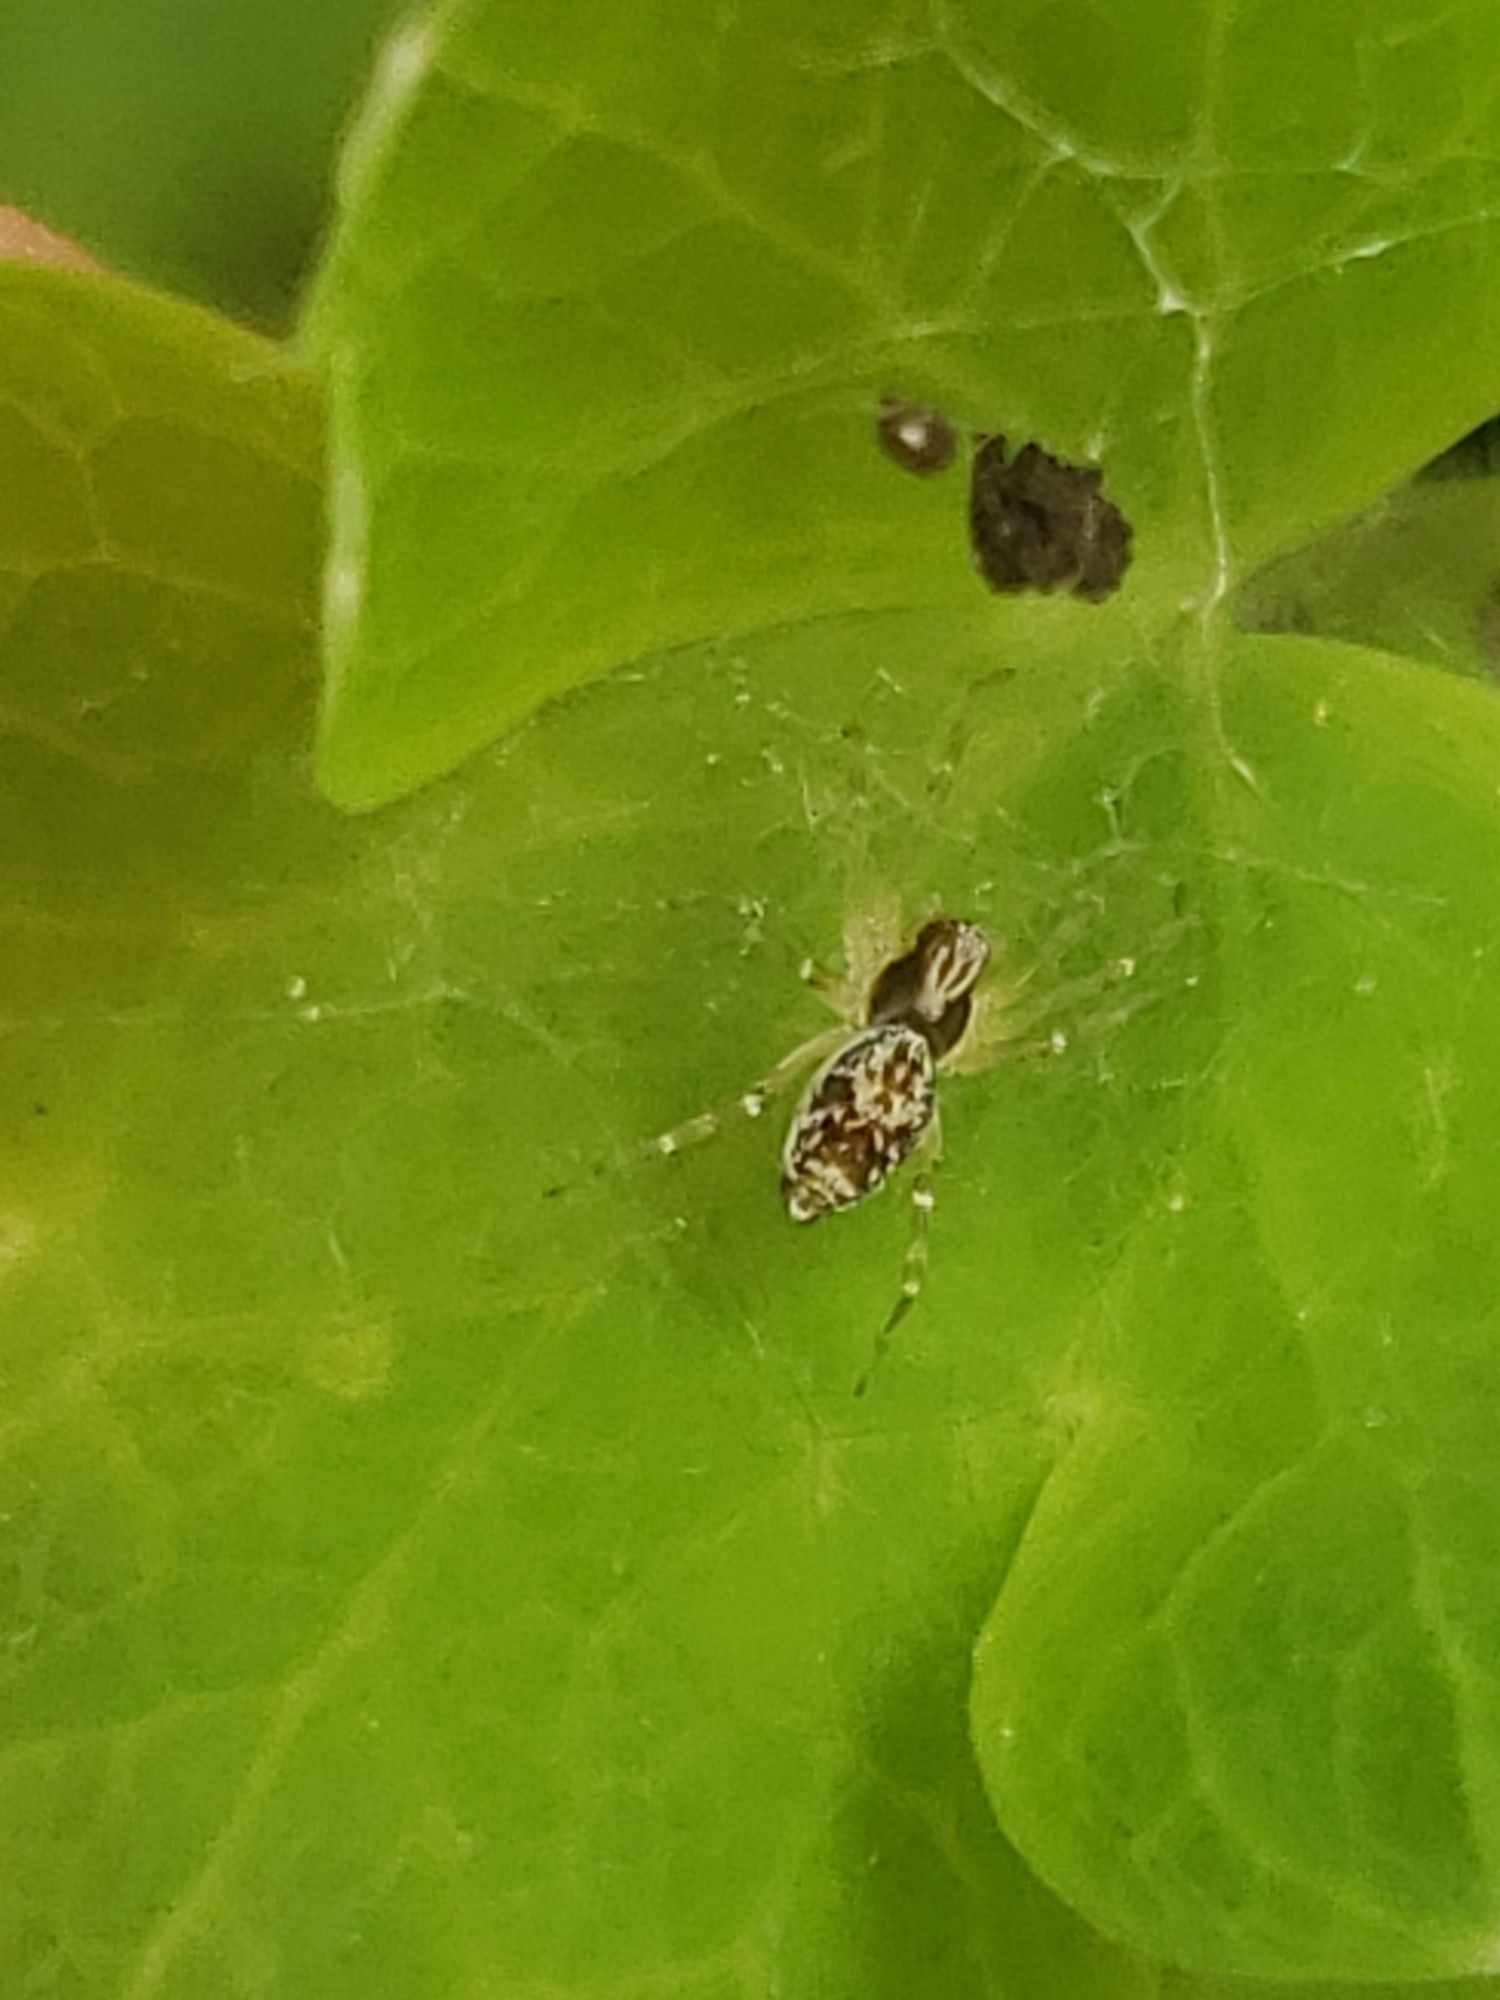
(1475,456)
(918,439)
(1487,633)
(39,1110)
(1038,523)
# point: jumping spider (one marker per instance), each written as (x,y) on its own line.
(875,1100)
(872,1100)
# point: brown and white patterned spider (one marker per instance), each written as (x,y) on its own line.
(906,1013)
(875,1100)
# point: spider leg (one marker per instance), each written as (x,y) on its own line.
(997,1033)
(914,1271)
(751,1102)
(996,1028)
(991,1022)
(834,989)
(1069,928)
(873,936)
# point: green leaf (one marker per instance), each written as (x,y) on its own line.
(190,143)
(616,291)
(442,1550)
(1251,1619)
(1417,574)
(421,1579)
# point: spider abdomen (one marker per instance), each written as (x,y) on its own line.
(861,1116)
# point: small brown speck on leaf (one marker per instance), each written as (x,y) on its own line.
(1038,523)
(918,439)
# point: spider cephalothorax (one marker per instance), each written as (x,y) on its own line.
(932,985)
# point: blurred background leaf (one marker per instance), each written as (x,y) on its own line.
(189,142)
(1418,573)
